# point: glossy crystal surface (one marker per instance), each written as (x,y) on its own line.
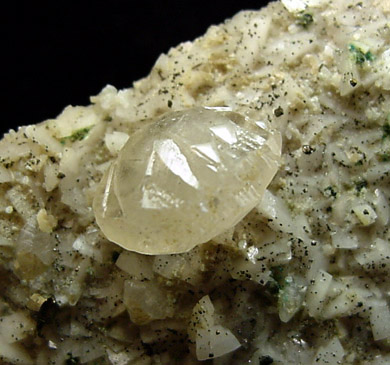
(184,179)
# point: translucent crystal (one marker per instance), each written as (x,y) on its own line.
(185,179)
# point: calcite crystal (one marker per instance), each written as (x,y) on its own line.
(185,179)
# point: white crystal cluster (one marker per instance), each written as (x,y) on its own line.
(184,179)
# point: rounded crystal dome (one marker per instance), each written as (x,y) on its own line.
(185,179)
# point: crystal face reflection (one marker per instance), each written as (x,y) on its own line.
(225,132)
(184,179)
(172,157)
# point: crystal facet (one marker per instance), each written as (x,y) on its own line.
(184,179)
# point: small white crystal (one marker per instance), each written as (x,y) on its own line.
(185,179)
(294,6)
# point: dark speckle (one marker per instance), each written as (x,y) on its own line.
(266,360)
(278,112)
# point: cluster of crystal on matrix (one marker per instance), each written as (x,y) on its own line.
(185,179)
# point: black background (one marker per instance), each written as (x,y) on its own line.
(60,52)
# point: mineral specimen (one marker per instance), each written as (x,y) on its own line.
(303,278)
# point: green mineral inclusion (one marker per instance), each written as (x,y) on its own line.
(359,56)
(77,135)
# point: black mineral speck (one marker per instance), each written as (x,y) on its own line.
(46,314)
(307,150)
(266,360)
(278,112)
